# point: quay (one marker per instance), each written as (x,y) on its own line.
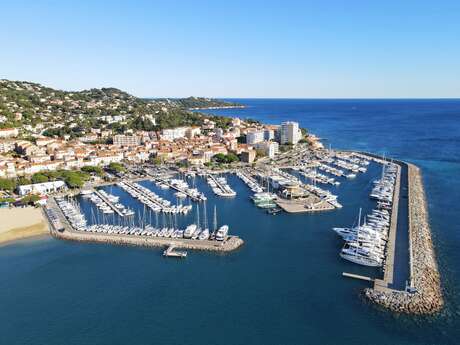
(388,268)
(423,292)
(65,231)
(108,202)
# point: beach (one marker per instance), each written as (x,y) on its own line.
(20,223)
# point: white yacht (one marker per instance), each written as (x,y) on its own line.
(222,233)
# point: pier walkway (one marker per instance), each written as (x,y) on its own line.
(190,195)
(388,277)
(108,202)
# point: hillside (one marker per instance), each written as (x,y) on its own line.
(38,109)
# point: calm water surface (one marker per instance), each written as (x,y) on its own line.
(283,287)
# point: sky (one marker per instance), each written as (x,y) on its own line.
(233,49)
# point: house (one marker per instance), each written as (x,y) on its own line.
(41,188)
(8,132)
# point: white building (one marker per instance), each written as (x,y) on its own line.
(290,133)
(41,188)
(254,137)
(126,140)
(270,148)
(174,133)
(9,132)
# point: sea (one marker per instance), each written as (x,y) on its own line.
(284,286)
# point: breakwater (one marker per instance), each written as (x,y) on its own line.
(232,243)
(424,294)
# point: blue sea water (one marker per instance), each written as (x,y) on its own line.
(284,286)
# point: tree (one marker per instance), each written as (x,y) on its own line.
(30,199)
(93,170)
(39,178)
(23,181)
(116,167)
(7,184)
(225,159)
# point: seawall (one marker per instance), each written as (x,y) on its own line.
(424,295)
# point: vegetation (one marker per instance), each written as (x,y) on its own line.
(7,184)
(93,170)
(116,167)
(8,199)
(201,102)
(30,199)
(39,178)
(73,113)
(225,159)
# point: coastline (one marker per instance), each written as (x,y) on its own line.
(216,108)
(21,223)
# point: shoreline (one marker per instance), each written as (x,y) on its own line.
(22,223)
(217,108)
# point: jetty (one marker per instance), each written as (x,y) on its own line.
(423,293)
(61,228)
(166,182)
(109,203)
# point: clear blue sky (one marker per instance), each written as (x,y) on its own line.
(236,48)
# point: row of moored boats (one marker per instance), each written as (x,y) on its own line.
(152,200)
(365,244)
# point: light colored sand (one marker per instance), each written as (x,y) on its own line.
(19,223)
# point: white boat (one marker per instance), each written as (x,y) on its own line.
(204,235)
(189,231)
(222,233)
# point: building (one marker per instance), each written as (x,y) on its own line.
(269,134)
(8,132)
(289,133)
(41,188)
(248,156)
(269,148)
(174,133)
(254,137)
(192,132)
(126,140)
(6,146)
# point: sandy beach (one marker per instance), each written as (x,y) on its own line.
(20,223)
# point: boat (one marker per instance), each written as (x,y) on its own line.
(190,230)
(222,233)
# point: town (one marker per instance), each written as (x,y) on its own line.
(64,159)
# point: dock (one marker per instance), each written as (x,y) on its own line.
(357,276)
(223,190)
(388,268)
(166,182)
(67,232)
(146,196)
(108,202)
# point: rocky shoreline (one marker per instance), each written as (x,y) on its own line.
(425,283)
(231,244)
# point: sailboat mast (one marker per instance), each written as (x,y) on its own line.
(205,220)
(215,219)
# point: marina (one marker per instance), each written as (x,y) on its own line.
(376,240)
